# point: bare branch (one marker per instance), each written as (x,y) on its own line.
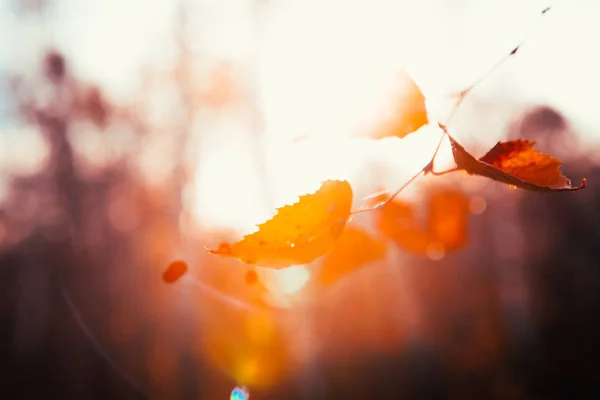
(389,199)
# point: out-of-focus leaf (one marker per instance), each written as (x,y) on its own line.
(298,233)
(409,112)
(445,228)
(516,163)
(448,217)
(251,277)
(397,221)
(353,250)
(174,271)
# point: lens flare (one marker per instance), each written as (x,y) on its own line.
(239,394)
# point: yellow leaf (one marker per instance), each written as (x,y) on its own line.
(408,113)
(298,233)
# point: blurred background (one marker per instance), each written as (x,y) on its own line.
(134,133)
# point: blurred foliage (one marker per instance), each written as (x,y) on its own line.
(512,313)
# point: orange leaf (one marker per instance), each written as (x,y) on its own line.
(409,112)
(516,163)
(448,217)
(354,248)
(299,233)
(174,271)
(445,229)
(397,221)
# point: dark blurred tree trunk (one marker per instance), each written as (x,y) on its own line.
(562,234)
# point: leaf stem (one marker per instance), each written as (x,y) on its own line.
(389,199)
(448,171)
(465,92)
(428,169)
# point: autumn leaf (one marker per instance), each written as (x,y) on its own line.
(298,233)
(519,159)
(174,271)
(398,221)
(449,213)
(516,163)
(354,249)
(445,229)
(408,113)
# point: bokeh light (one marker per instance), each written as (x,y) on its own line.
(133,134)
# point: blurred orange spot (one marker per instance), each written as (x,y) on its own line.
(448,217)
(251,277)
(397,221)
(240,336)
(408,113)
(175,271)
(353,250)
(260,328)
(248,346)
(444,231)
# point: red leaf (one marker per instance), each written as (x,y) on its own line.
(515,163)
(174,271)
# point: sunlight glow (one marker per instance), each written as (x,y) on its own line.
(322,91)
(324,82)
(291,280)
(310,91)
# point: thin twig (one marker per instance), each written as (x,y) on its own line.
(428,169)
(464,93)
(389,199)
(448,171)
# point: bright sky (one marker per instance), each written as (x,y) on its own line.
(324,68)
